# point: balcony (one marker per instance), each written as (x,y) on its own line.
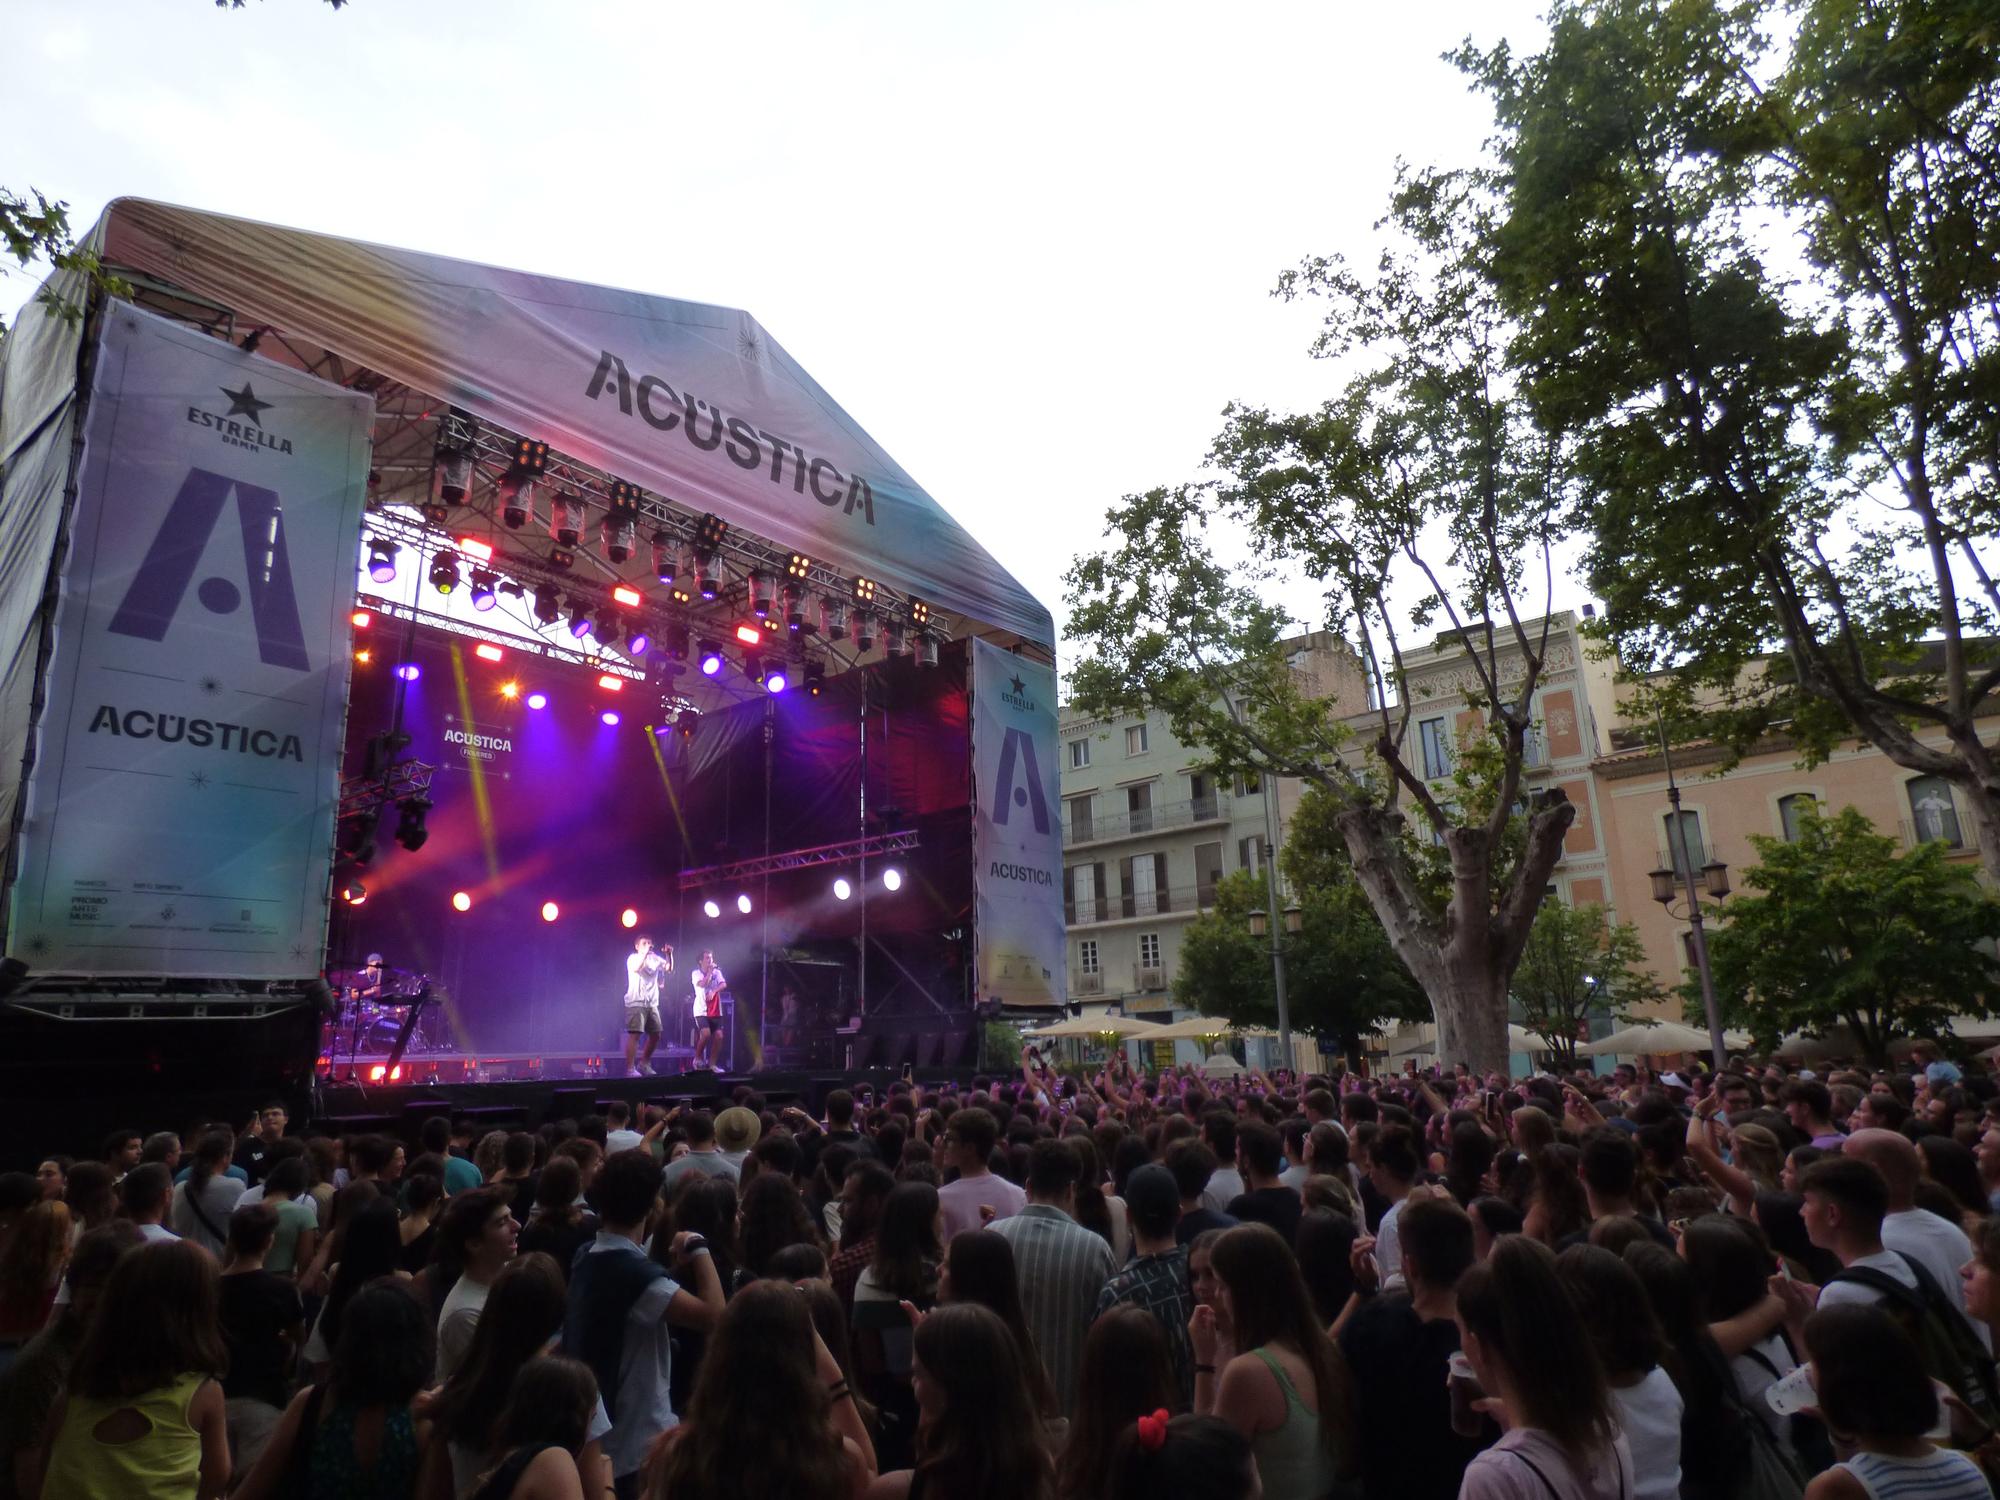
(1148,977)
(1956,834)
(1088,984)
(1104,827)
(1180,900)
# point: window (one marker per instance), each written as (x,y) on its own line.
(1250,852)
(1149,950)
(1144,878)
(1685,849)
(1135,739)
(1933,814)
(1250,785)
(1201,797)
(1081,829)
(1437,749)
(1792,810)
(1084,894)
(1139,808)
(1086,956)
(1207,872)
(1079,754)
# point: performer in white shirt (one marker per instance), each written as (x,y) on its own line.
(642,1002)
(708,987)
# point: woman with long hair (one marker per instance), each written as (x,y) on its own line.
(905,1269)
(770,1413)
(367,1246)
(1127,1373)
(979,1437)
(522,1317)
(543,1435)
(31,1267)
(1280,1379)
(1096,1210)
(1187,1457)
(774,1216)
(202,1205)
(91,1194)
(1533,1360)
(1556,1206)
(357,1435)
(829,1320)
(979,1267)
(297,1238)
(706,1206)
(1714,1446)
(1467,1162)
(558,1225)
(423,1201)
(1630,1350)
(1325,1246)
(1729,1262)
(1870,1385)
(143,1417)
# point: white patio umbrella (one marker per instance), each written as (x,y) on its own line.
(1193,1028)
(1519,1039)
(1122,1026)
(1649,1039)
(1221,1065)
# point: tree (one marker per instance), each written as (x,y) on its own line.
(1848,929)
(1800,461)
(1342,977)
(34,227)
(1427,470)
(1578,963)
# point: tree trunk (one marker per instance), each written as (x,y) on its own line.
(1984,806)
(1465,956)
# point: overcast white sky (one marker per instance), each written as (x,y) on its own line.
(1028,245)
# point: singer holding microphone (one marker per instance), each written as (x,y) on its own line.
(642,1002)
(708,987)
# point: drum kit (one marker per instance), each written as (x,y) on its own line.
(374,1009)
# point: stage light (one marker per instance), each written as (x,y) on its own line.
(530,456)
(611,684)
(538,701)
(892,879)
(841,888)
(562,557)
(396,1073)
(550,911)
(794,600)
(707,583)
(566,519)
(832,617)
(409,671)
(628,596)
(920,611)
(609,718)
(864,630)
(487,651)
(760,593)
(775,680)
(517,500)
(548,607)
(637,642)
(663,557)
(410,829)
(579,622)
(687,721)
(743,904)
(361,619)
(749,635)
(628,918)
(815,677)
(472,547)
(381,560)
(895,639)
(617,533)
(482,588)
(621,520)
(753,666)
(444,571)
(682,594)
(710,910)
(461,901)
(454,470)
(353,892)
(377,1073)
(710,532)
(711,658)
(799,566)
(607,628)
(510,690)
(927,649)
(675,641)
(864,590)
(364,656)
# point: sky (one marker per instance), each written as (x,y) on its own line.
(1029,246)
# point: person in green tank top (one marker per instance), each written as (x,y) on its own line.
(1281,1382)
(144,1417)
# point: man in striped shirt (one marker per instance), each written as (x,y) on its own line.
(1061,1265)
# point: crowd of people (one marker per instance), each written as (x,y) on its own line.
(1044,1285)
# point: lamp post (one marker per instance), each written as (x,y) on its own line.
(1260,925)
(1715,882)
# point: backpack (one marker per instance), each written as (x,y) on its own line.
(1950,1351)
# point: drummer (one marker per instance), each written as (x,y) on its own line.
(368,982)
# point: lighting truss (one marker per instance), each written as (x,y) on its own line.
(850,851)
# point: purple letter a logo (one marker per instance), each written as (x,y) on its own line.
(156,591)
(1018,751)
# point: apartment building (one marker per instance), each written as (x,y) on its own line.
(1148,834)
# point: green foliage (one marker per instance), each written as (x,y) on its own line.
(999,1046)
(1770,462)
(1578,963)
(1848,929)
(34,227)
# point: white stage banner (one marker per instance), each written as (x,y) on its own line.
(180,811)
(1017,838)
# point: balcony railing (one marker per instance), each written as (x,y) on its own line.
(1148,977)
(1089,984)
(1139,822)
(1948,828)
(1180,899)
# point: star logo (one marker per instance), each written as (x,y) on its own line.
(198,780)
(1017,685)
(166,914)
(211,685)
(244,403)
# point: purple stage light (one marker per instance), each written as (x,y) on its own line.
(609,718)
(743,904)
(637,642)
(538,700)
(775,680)
(409,671)
(710,910)
(711,663)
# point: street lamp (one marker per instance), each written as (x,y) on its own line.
(1294,918)
(1715,882)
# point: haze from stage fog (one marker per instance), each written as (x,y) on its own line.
(1029,246)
